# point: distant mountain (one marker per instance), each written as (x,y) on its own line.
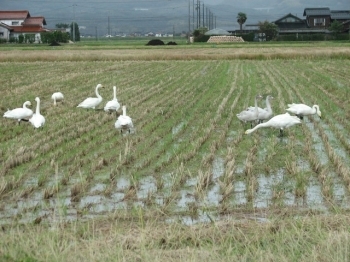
(160,16)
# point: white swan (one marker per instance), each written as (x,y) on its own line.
(57,97)
(22,113)
(301,110)
(92,102)
(250,115)
(37,120)
(124,122)
(264,113)
(112,105)
(280,121)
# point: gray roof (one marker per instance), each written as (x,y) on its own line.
(316,11)
(340,14)
(217,31)
(289,15)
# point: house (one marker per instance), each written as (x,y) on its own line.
(293,25)
(290,21)
(322,18)
(317,21)
(318,17)
(16,23)
(342,16)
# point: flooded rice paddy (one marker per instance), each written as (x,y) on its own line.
(188,157)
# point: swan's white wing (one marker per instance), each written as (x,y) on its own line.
(247,115)
(58,96)
(90,102)
(19,113)
(252,108)
(112,105)
(299,109)
(37,120)
(123,122)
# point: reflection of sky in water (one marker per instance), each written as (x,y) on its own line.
(317,144)
(314,195)
(239,189)
(338,148)
(146,185)
(60,208)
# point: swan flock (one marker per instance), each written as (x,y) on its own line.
(281,121)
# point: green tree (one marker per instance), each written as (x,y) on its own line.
(62,25)
(336,27)
(75,32)
(268,29)
(241,18)
(20,38)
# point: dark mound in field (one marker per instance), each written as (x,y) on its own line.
(155,42)
(54,43)
(171,43)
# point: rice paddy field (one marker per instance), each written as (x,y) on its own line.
(187,183)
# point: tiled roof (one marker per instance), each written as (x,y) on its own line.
(289,15)
(340,14)
(316,11)
(28,29)
(7,15)
(38,20)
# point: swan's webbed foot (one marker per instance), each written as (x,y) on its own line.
(301,117)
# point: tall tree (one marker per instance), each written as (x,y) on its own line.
(241,18)
(62,25)
(336,27)
(270,30)
(74,33)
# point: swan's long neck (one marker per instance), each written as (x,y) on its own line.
(256,106)
(259,125)
(54,100)
(268,105)
(37,110)
(124,111)
(97,94)
(315,108)
(114,93)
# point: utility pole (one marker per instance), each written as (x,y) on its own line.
(74,23)
(189,20)
(203,15)
(206,19)
(192,15)
(199,13)
(109,31)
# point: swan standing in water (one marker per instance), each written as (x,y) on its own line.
(113,105)
(124,122)
(37,120)
(57,97)
(92,102)
(266,113)
(301,110)
(280,122)
(21,114)
(250,115)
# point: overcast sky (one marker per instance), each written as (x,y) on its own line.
(92,13)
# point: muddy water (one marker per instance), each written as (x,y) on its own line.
(95,203)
